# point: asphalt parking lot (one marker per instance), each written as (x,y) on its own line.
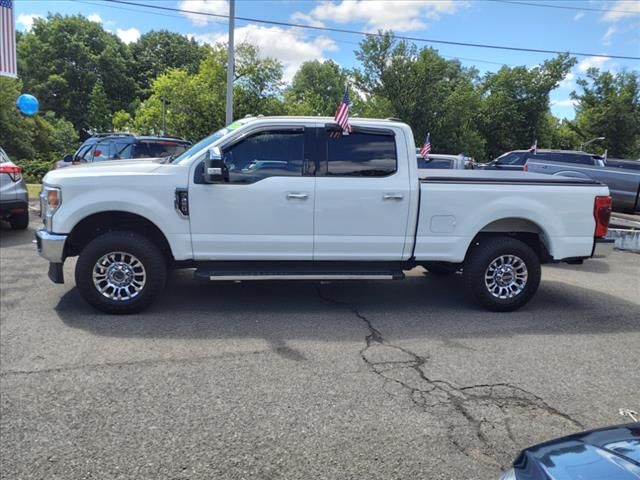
(282,380)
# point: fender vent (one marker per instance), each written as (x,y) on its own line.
(181,201)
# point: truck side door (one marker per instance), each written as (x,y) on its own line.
(362,195)
(264,209)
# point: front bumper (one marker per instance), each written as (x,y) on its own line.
(51,245)
(602,247)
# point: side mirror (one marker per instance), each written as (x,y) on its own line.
(68,158)
(214,168)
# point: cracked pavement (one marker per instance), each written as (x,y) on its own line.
(283,380)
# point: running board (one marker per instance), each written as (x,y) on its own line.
(240,276)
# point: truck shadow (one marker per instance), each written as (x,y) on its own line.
(417,307)
(12,238)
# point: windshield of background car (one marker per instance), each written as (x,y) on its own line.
(208,141)
(158,149)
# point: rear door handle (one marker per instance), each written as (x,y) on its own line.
(301,196)
(393,196)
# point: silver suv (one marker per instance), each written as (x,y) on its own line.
(14,198)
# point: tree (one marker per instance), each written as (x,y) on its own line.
(516,103)
(609,106)
(99,114)
(62,58)
(316,88)
(194,105)
(121,121)
(420,87)
(156,51)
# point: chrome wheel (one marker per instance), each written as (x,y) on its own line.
(506,276)
(119,276)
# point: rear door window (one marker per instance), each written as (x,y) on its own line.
(435,163)
(366,153)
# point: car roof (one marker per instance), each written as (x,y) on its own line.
(551,150)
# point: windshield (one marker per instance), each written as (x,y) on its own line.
(208,141)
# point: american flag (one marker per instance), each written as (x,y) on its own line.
(426,147)
(7,40)
(342,114)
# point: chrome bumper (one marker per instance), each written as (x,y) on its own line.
(603,247)
(51,245)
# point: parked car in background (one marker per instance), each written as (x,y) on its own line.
(14,198)
(517,159)
(623,182)
(122,146)
(444,161)
(611,453)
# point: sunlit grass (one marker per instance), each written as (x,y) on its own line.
(34,190)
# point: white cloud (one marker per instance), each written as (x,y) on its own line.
(216,7)
(596,62)
(566,102)
(622,9)
(300,17)
(26,20)
(94,17)
(567,82)
(396,15)
(606,39)
(290,46)
(578,16)
(128,36)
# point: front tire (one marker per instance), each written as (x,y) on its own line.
(502,273)
(120,272)
(19,221)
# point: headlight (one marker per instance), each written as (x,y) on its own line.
(50,201)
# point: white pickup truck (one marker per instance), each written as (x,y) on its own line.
(293,198)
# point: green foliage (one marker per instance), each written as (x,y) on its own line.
(34,170)
(157,51)
(609,106)
(315,88)
(98,116)
(43,137)
(61,59)
(122,121)
(516,103)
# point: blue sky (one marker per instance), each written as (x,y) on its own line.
(614,29)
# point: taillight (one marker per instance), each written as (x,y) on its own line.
(525,168)
(13,171)
(602,215)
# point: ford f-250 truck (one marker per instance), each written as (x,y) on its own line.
(293,198)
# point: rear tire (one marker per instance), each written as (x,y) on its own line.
(120,272)
(502,273)
(19,221)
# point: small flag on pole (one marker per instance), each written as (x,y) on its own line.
(534,147)
(342,114)
(426,147)
(7,40)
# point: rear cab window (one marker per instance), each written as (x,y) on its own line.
(362,153)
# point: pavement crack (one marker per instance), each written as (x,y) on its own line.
(480,438)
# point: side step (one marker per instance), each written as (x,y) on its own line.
(219,275)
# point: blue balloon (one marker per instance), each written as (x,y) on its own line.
(27,104)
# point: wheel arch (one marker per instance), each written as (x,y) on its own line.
(520,228)
(99,223)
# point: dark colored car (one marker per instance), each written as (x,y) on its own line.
(121,146)
(517,159)
(611,453)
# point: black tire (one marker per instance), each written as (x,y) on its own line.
(19,221)
(440,270)
(145,251)
(477,265)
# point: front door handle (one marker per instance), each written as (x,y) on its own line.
(301,196)
(393,196)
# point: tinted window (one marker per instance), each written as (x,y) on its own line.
(513,158)
(83,153)
(435,163)
(157,149)
(361,154)
(265,154)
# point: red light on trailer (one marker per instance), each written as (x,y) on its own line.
(602,215)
